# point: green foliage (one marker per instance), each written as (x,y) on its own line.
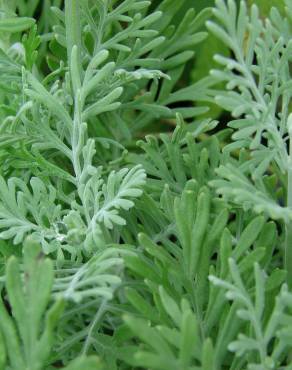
(135,231)
(264,327)
(265,6)
(28,341)
(258,96)
(28,332)
(253,94)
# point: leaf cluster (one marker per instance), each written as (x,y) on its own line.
(136,231)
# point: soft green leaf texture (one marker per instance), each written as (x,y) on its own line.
(145,185)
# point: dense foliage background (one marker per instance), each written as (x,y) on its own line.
(145,185)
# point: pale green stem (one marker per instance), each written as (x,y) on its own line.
(92,326)
(73,28)
(73,38)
